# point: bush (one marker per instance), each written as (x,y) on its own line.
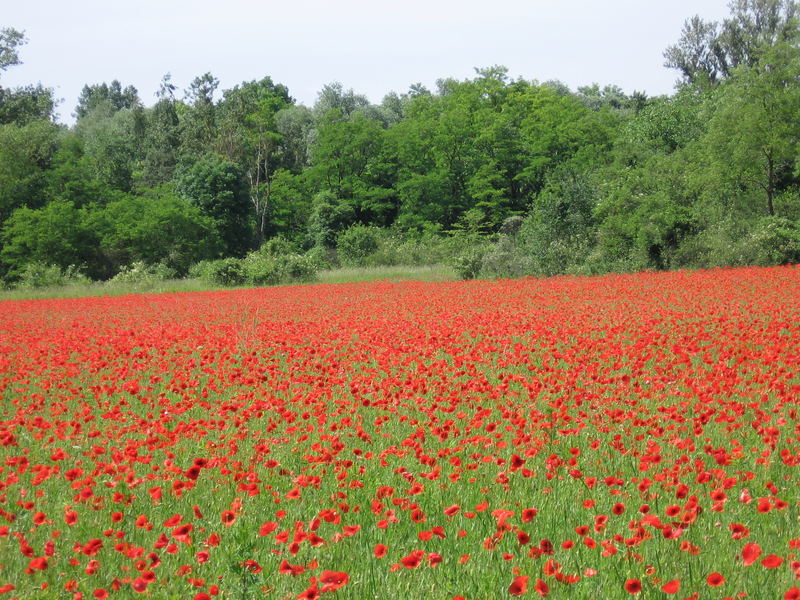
(224,272)
(774,241)
(140,272)
(299,269)
(277,246)
(321,258)
(396,248)
(356,244)
(768,241)
(256,269)
(468,263)
(259,269)
(504,260)
(39,275)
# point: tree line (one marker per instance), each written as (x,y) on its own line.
(498,176)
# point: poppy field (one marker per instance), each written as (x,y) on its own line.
(624,436)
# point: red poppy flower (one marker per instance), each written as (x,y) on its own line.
(528,514)
(289,569)
(671,587)
(413,560)
(633,586)
(333,580)
(771,561)
(519,586)
(715,579)
(380,550)
(311,593)
(750,553)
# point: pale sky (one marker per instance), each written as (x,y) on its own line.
(371,46)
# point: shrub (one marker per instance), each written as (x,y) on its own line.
(397,248)
(256,269)
(321,257)
(468,263)
(504,260)
(139,272)
(277,246)
(259,269)
(768,241)
(39,275)
(356,244)
(223,272)
(774,241)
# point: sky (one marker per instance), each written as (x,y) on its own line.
(371,46)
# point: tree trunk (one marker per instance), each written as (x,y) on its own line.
(770,185)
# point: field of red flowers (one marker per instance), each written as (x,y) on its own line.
(632,436)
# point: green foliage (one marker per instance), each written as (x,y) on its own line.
(708,52)
(26,104)
(57,234)
(10,40)
(157,227)
(160,144)
(356,244)
(277,246)
(502,260)
(329,215)
(468,261)
(36,275)
(273,270)
(754,136)
(111,97)
(26,153)
(198,117)
(396,247)
(215,186)
(111,144)
(225,272)
(289,205)
(140,272)
(256,269)
(248,135)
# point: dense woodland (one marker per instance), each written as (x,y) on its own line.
(496,176)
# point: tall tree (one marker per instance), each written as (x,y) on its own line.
(334,96)
(111,140)
(161,139)
(709,51)
(754,135)
(26,152)
(113,96)
(249,136)
(198,122)
(25,104)
(214,185)
(295,125)
(10,40)
(348,161)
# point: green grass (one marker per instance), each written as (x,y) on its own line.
(395,273)
(342,275)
